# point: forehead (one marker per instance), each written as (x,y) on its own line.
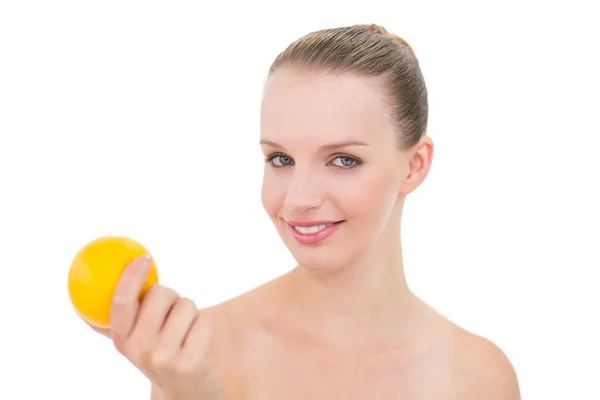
(318,108)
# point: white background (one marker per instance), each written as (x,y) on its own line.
(141,119)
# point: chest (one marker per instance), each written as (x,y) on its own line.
(303,372)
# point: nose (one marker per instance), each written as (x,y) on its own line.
(303,193)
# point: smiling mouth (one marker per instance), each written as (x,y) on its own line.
(311,232)
(307,230)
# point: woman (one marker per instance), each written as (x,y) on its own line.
(343,124)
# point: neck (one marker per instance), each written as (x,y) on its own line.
(370,296)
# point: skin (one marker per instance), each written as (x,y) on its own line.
(343,324)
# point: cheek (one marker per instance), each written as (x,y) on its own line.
(368,197)
(272,194)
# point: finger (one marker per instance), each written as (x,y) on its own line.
(196,342)
(153,311)
(177,325)
(126,302)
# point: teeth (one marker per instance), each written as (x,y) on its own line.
(311,229)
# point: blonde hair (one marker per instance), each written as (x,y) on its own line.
(371,51)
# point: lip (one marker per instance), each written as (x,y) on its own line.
(312,238)
(310,223)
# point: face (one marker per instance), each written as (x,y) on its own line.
(334,179)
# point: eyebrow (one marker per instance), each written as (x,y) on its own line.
(326,147)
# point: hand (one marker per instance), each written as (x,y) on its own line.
(163,335)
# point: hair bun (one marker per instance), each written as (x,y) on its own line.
(382,31)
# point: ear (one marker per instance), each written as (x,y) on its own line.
(419,164)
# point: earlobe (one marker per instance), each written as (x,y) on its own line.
(419,164)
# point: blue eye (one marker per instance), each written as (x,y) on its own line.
(281,160)
(345,162)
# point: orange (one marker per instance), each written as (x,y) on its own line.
(95,273)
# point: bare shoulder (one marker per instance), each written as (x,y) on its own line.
(242,308)
(482,370)
(233,319)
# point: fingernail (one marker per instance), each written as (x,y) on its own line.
(146,260)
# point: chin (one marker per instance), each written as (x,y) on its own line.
(324,257)
(325,263)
